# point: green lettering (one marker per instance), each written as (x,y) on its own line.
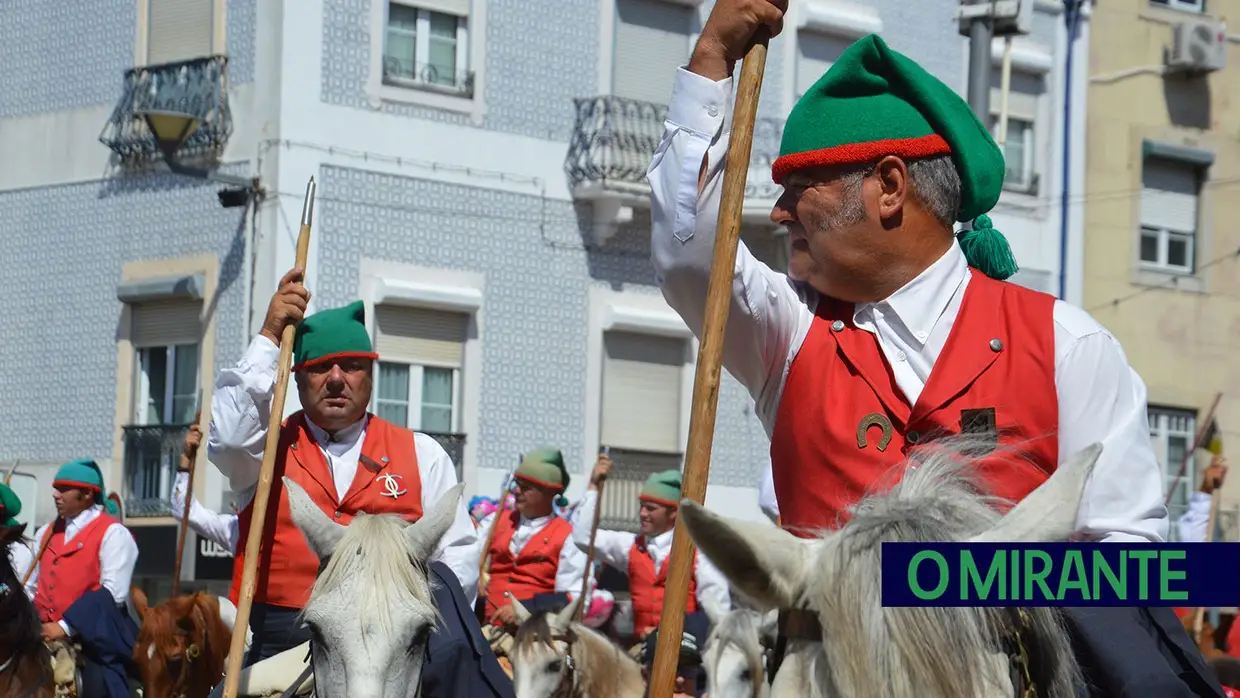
(1144,556)
(917,589)
(971,575)
(1037,577)
(1165,557)
(1118,584)
(1073,576)
(1014,580)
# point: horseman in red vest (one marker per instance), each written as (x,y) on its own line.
(643,557)
(345,458)
(890,330)
(532,556)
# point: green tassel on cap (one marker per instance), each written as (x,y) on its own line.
(987,250)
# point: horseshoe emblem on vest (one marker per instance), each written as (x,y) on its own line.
(874,419)
(391,486)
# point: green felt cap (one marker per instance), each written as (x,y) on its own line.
(338,333)
(85,474)
(662,488)
(10,506)
(544,467)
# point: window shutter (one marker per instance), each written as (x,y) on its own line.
(651,42)
(815,55)
(1169,195)
(460,8)
(166,323)
(179,30)
(1023,94)
(641,391)
(421,335)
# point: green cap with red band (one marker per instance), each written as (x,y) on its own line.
(875,102)
(338,333)
(85,474)
(662,488)
(545,467)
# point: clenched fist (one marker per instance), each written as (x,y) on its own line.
(288,305)
(730,31)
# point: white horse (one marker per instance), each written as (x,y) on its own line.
(849,644)
(734,655)
(555,656)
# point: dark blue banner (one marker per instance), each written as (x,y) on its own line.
(1061,574)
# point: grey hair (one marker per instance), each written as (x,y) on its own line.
(866,645)
(933,183)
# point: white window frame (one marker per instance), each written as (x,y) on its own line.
(470,57)
(142,386)
(1028,183)
(422,49)
(414,417)
(1164,423)
(1164,236)
(1198,6)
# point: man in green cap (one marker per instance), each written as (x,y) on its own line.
(643,557)
(20,554)
(347,459)
(889,329)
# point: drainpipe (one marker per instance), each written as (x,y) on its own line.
(1072,16)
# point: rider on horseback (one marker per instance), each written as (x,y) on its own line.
(20,554)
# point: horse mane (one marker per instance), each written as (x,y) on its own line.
(607,671)
(741,628)
(377,547)
(938,499)
(20,628)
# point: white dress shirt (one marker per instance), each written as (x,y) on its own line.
(240,410)
(1192,524)
(767,501)
(612,548)
(221,529)
(20,556)
(118,553)
(569,570)
(1101,399)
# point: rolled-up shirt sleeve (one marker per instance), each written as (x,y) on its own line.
(240,413)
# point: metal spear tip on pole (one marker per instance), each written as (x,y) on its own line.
(307,208)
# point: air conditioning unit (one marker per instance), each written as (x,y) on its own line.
(1198,46)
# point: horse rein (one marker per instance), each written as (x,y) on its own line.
(192,651)
(568,674)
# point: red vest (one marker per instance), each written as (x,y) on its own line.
(998,365)
(69,570)
(533,569)
(287,567)
(646,587)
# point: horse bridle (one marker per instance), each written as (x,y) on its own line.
(568,671)
(192,651)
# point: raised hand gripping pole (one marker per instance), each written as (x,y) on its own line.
(589,573)
(189,497)
(709,364)
(258,510)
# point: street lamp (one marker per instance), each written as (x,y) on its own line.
(172,128)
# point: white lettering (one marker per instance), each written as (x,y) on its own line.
(208,548)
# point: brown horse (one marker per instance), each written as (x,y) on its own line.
(182,645)
(25,665)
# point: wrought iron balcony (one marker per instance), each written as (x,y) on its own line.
(630,468)
(198,86)
(614,139)
(454,444)
(152,453)
(428,76)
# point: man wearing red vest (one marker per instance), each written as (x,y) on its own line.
(643,558)
(531,555)
(346,459)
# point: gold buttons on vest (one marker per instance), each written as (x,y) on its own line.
(996,345)
(337,514)
(837,326)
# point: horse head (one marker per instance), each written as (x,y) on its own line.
(554,655)
(371,612)
(25,662)
(857,647)
(182,645)
(736,651)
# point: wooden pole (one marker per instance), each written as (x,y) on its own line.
(258,515)
(189,497)
(585,580)
(484,560)
(710,360)
(1216,494)
(8,477)
(1192,452)
(1004,89)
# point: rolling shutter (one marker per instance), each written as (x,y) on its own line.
(179,30)
(815,55)
(421,335)
(1023,94)
(166,323)
(1169,195)
(641,391)
(651,42)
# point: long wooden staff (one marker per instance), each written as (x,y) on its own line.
(484,560)
(47,538)
(258,511)
(585,579)
(192,457)
(8,478)
(710,360)
(1215,496)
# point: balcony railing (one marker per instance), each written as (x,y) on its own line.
(630,468)
(454,444)
(198,87)
(428,76)
(614,139)
(151,456)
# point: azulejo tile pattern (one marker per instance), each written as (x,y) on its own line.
(242,25)
(65,246)
(538,271)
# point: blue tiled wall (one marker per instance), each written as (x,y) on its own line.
(64,248)
(537,272)
(68,54)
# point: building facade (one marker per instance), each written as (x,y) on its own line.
(1161,250)
(480,167)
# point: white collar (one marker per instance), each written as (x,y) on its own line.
(349,435)
(541,521)
(660,541)
(83,517)
(921,302)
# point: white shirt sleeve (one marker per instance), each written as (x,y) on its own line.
(711,584)
(766,493)
(458,549)
(610,547)
(21,557)
(240,412)
(221,529)
(1193,524)
(768,318)
(1101,399)
(571,570)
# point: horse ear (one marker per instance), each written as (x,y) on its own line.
(520,611)
(713,610)
(568,614)
(768,564)
(320,531)
(1048,514)
(140,602)
(425,533)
